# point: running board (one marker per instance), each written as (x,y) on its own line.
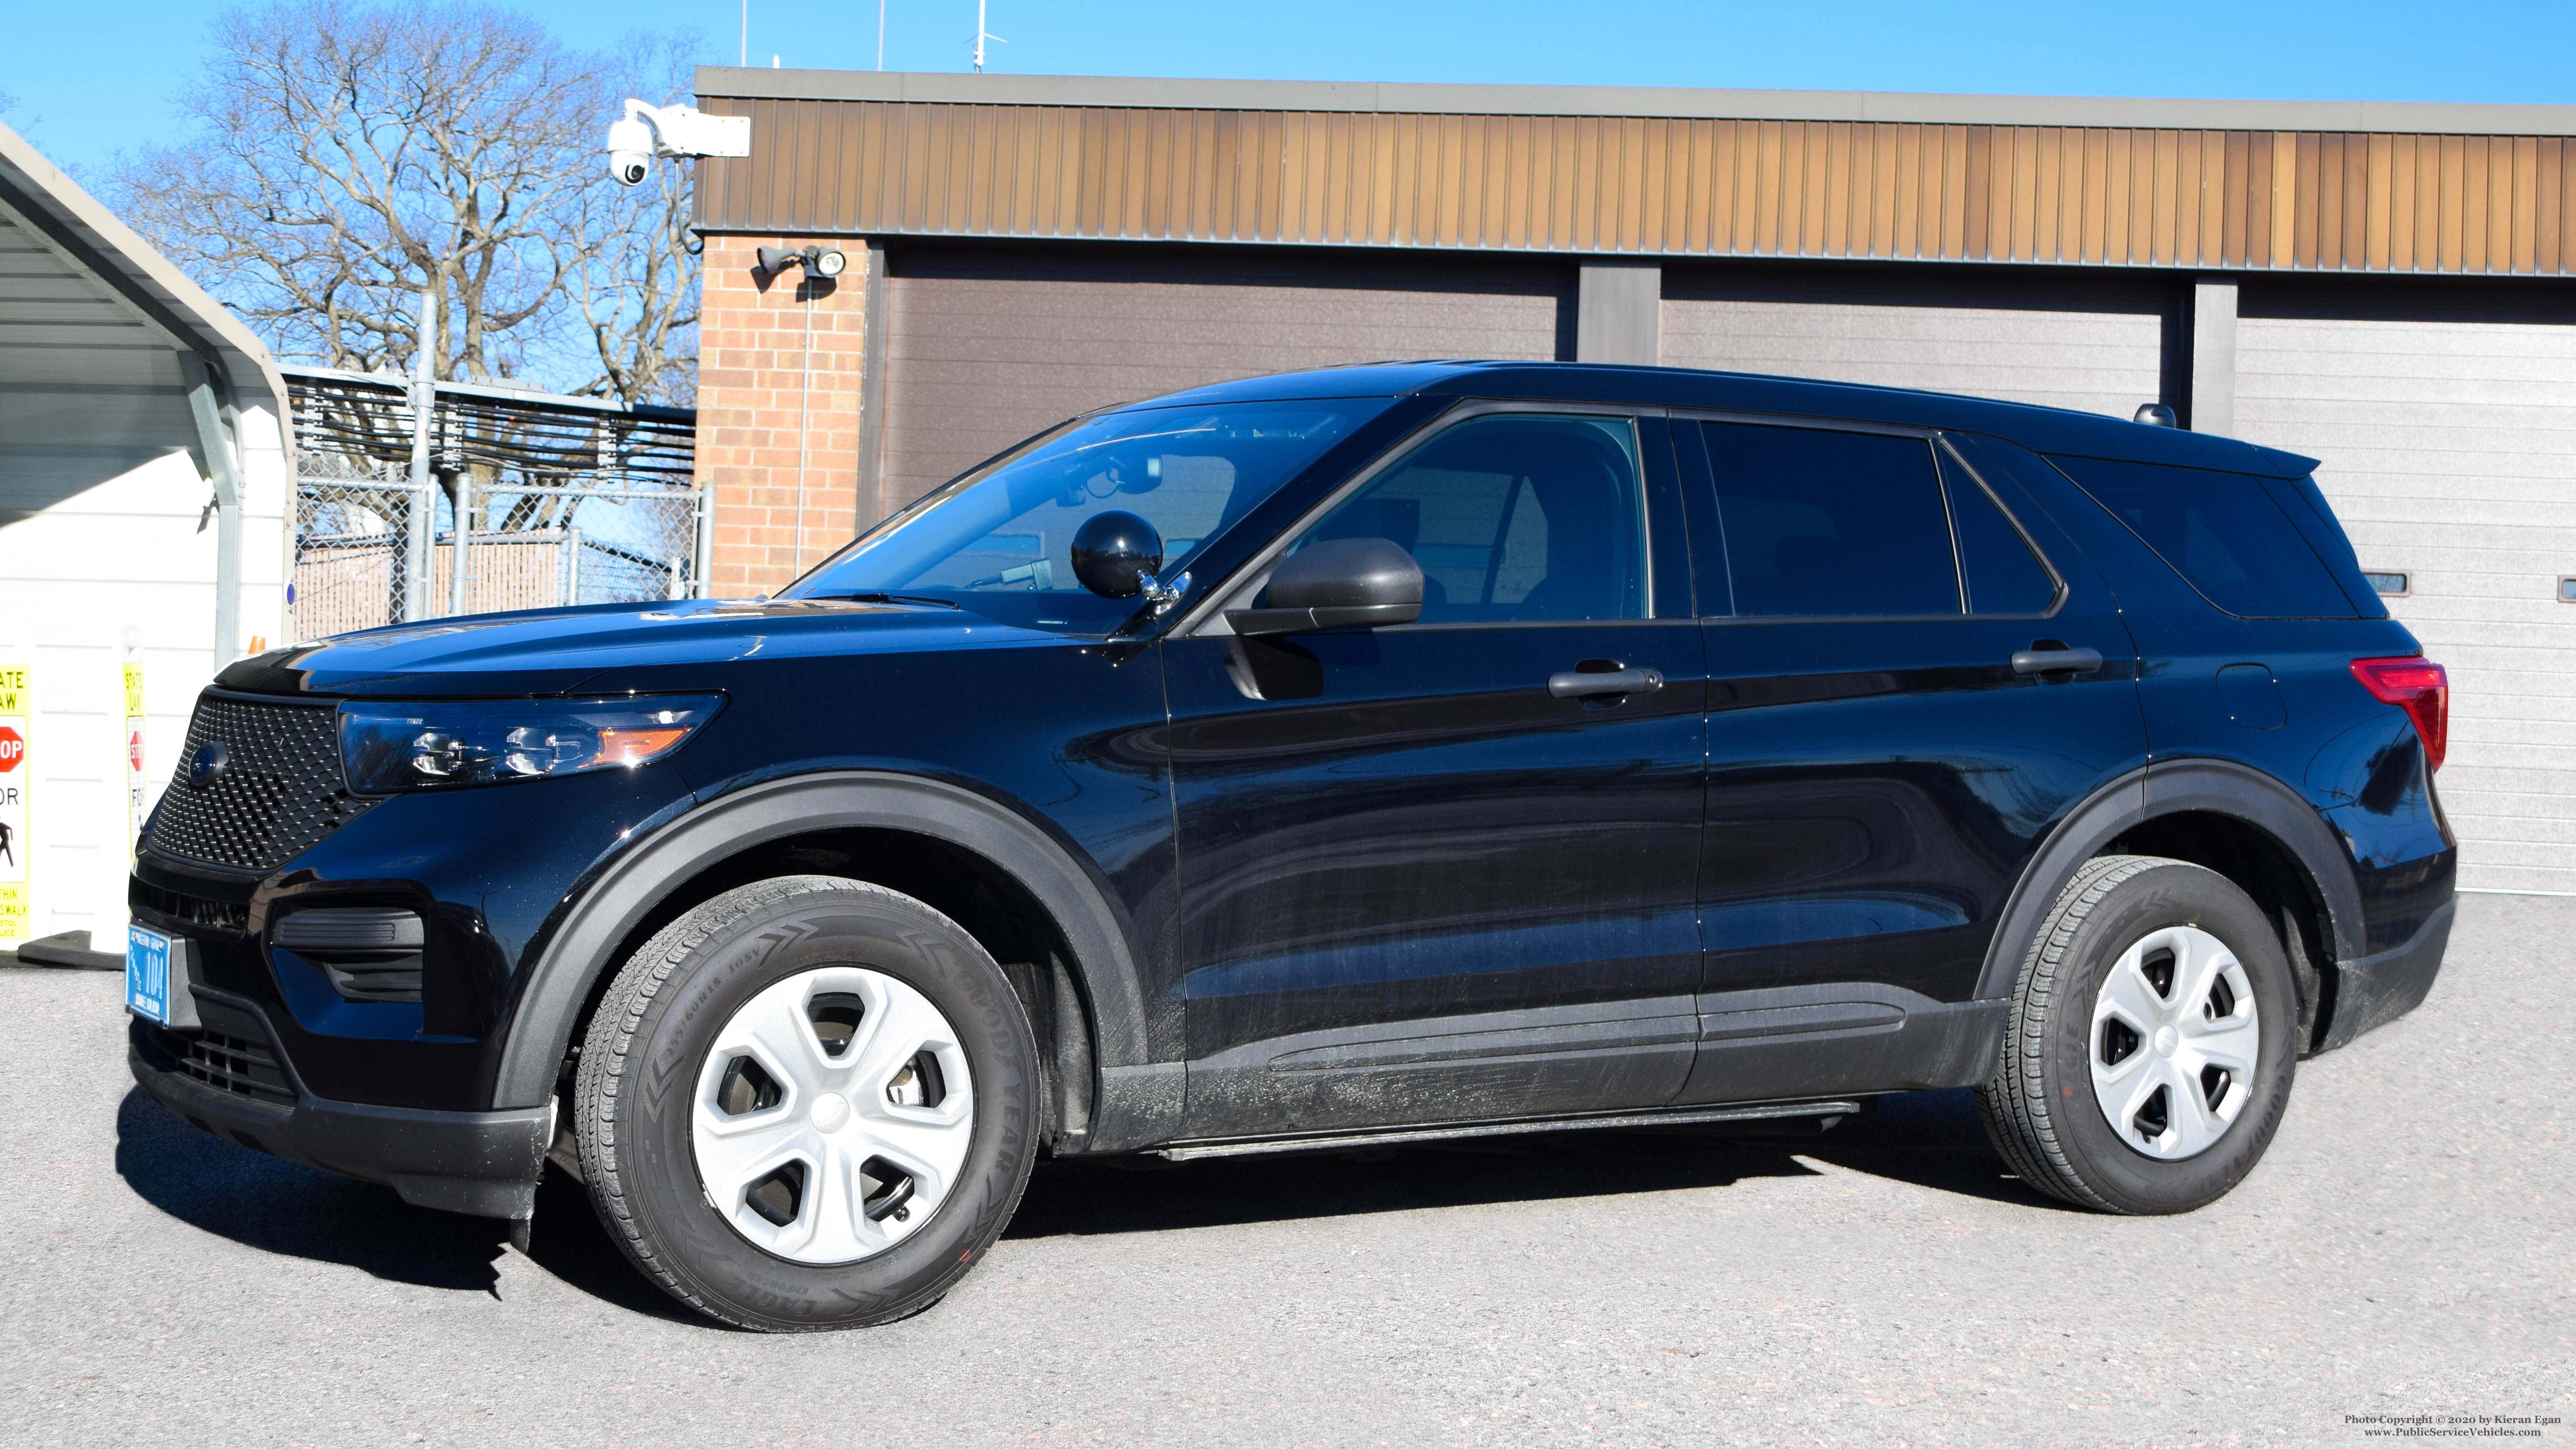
(1754,1112)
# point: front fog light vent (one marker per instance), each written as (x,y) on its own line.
(370,953)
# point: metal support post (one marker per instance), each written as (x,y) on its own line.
(207,408)
(420,536)
(457,568)
(703,586)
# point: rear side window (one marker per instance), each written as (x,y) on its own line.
(1823,523)
(2222,531)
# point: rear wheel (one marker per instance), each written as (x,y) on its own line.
(808,1104)
(2152,1041)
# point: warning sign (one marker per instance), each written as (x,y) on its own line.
(133,757)
(17,906)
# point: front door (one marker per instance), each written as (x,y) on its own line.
(1419,884)
(1910,683)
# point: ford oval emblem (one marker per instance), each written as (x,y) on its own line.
(207,764)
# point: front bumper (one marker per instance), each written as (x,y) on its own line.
(2377,990)
(239,1088)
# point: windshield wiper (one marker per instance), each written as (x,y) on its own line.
(892,599)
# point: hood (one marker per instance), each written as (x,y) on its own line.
(584,650)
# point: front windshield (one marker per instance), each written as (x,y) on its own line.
(999,542)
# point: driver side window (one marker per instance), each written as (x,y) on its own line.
(1515,518)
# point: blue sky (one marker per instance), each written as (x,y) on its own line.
(87,82)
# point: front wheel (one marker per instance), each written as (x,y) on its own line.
(2152,1040)
(809,1103)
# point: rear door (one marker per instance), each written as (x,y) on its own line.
(1418,884)
(1880,769)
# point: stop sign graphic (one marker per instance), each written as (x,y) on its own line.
(13,749)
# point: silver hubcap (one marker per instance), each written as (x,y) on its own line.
(833,1115)
(2175,1042)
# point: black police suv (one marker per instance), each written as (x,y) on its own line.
(1334,758)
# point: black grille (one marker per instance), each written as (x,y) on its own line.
(279,791)
(187,909)
(237,1065)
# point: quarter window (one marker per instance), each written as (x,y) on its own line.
(2003,576)
(1515,518)
(2222,531)
(1826,523)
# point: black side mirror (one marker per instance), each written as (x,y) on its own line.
(1338,583)
(1115,552)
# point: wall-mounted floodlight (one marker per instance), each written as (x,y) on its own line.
(650,131)
(816,261)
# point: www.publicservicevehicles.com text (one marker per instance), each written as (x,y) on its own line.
(2451,1426)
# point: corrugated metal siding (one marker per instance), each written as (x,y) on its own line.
(2449,440)
(1654,186)
(2094,343)
(985,348)
(86,390)
(104,541)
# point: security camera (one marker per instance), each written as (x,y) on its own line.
(630,151)
(650,131)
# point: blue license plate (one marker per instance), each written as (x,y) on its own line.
(147,974)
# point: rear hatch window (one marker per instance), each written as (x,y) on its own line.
(2237,538)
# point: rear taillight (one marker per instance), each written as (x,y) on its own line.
(2420,688)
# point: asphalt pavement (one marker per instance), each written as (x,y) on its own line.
(2408,1248)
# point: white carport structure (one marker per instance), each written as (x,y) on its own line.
(144,486)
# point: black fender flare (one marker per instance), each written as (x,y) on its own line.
(611,906)
(2218,787)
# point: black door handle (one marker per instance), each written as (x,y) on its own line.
(2056,661)
(1578,685)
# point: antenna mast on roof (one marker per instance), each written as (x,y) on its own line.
(982,35)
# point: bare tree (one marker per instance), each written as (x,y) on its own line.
(635,287)
(349,156)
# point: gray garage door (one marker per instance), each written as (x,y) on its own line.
(2447,422)
(986,346)
(2051,336)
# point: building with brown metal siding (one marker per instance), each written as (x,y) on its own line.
(2391,288)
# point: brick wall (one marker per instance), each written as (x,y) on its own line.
(752,389)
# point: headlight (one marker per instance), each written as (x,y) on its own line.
(492,742)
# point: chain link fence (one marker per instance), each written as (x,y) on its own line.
(357,553)
(565,502)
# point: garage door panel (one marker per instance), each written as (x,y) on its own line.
(2093,343)
(2484,638)
(2500,801)
(2449,448)
(2542,685)
(2500,479)
(986,346)
(2447,553)
(2451,406)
